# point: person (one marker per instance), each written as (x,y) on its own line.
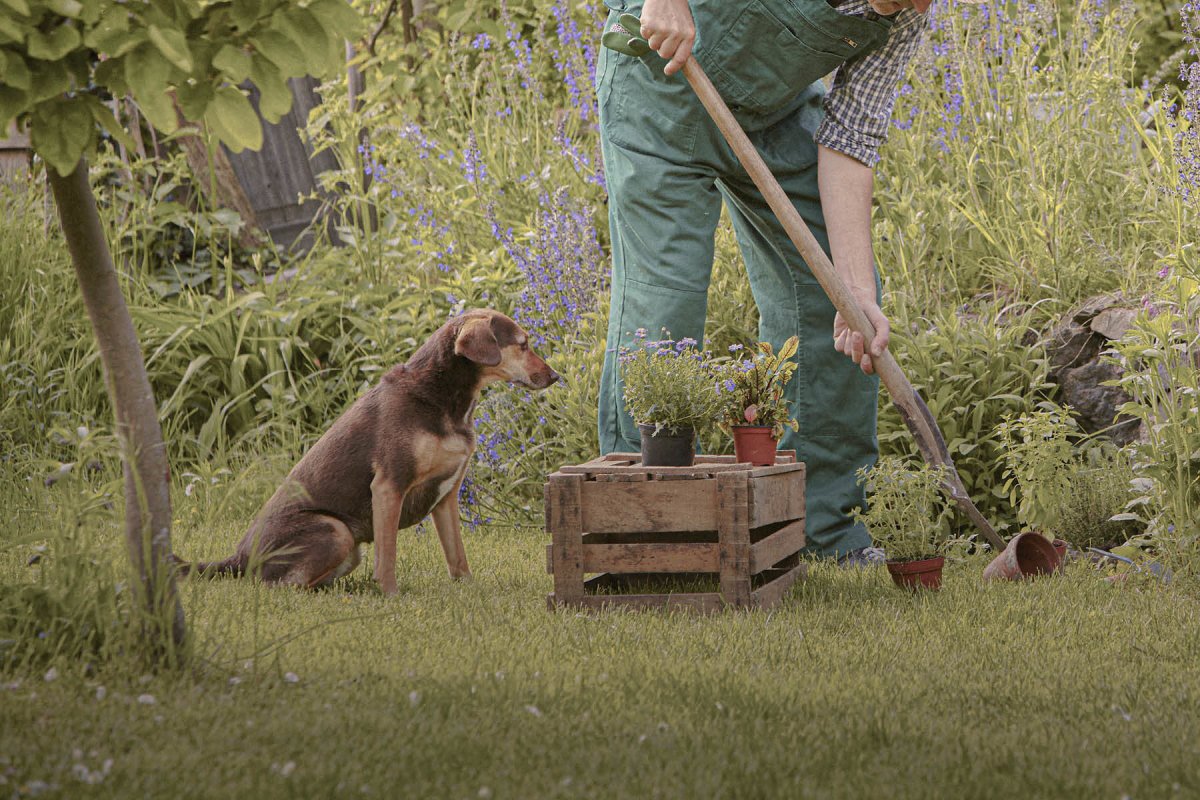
(669,170)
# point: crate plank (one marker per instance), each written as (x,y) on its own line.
(784,542)
(733,530)
(688,557)
(629,507)
(777,497)
(770,594)
(564,519)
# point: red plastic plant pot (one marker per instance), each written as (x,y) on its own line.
(923,574)
(755,444)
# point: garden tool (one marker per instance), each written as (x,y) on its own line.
(625,37)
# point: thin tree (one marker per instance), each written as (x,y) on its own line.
(60,61)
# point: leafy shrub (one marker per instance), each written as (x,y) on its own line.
(671,385)
(906,509)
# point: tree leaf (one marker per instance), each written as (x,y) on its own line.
(19,6)
(245,13)
(49,78)
(101,114)
(320,46)
(274,93)
(194,98)
(147,73)
(14,73)
(232,118)
(66,8)
(338,16)
(112,36)
(54,45)
(282,52)
(12,102)
(173,45)
(234,63)
(10,31)
(61,132)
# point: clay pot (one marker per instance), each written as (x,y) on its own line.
(1027,554)
(754,444)
(668,449)
(923,574)
(1060,550)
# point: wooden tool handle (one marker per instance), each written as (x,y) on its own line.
(912,408)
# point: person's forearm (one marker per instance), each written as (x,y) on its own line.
(846,186)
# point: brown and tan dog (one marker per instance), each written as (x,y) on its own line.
(399,453)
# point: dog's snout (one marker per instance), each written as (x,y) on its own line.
(554,378)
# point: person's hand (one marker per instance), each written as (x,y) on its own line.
(889,7)
(668,28)
(851,342)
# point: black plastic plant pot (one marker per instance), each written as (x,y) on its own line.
(668,449)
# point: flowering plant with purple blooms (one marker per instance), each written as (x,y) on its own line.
(670,384)
(753,388)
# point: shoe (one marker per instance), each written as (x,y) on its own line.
(862,557)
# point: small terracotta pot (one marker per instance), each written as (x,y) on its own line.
(923,574)
(1060,550)
(1027,554)
(755,444)
(667,449)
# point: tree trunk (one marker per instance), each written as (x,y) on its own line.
(147,475)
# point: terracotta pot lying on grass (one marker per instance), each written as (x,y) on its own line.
(1028,554)
(923,574)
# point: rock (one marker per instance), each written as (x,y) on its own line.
(1074,349)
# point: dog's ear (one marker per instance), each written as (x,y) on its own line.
(477,343)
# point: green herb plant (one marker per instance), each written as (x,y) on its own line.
(906,511)
(671,385)
(1039,458)
(753,388)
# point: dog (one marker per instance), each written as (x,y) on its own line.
(398,454)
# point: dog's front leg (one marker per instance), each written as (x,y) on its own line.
(449,529)
(386,502)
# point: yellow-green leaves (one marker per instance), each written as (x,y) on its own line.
(62,130)
(233,119)
(146,73)
(53,45)
(172,44)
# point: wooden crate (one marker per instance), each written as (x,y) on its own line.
(635,530)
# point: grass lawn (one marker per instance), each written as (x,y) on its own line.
(1064,687)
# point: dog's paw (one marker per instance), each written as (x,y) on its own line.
(462,576)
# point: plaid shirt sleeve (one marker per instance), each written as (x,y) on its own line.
(858,107)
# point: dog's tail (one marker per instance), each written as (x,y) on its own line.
(234,565)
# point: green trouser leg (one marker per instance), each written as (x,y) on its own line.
(668,170)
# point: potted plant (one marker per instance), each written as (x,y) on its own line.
(907,517)
(756,408)
(670,391)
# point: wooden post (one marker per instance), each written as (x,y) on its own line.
(564,518)
(733,532)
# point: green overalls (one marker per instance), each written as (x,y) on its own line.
(668,170)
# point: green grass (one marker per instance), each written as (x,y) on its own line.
(1064,687)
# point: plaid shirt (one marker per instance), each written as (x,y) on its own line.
(858,107)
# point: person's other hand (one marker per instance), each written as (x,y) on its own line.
(851,342)
(668,28)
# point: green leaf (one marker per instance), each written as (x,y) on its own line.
(53,45)
(282,52)
(49,78)
(19,6)
(66,8)
(10,31)
(308,35)
(173,45)
(146,72)
(12,102)
(232,118)
(14,72)
(274,93)
(337,16)
(194,98)
(112,36)
(61,131)
(101,114)
(234,63)
(245,13)
(111,75)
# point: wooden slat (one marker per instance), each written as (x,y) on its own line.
(632,477)
(758,472)
(564,521)
(771,593)
(650,506)
(784,542)
(733,531)
(550,559)
(691,557)
(777,498)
